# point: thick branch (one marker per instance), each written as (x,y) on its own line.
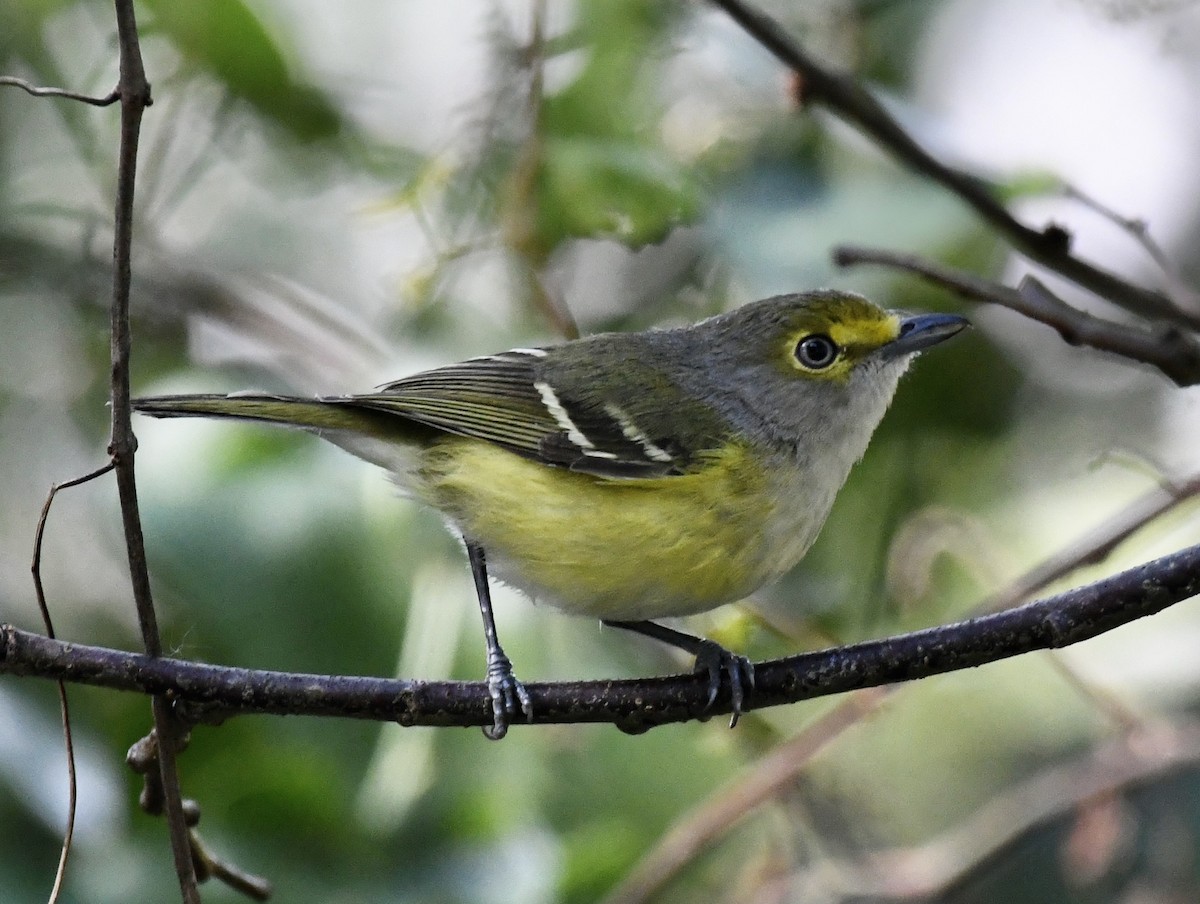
(209,692)
(846,98)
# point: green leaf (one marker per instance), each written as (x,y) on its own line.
(224,38)
(1029,184)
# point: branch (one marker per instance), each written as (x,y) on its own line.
(847,99)
(1170,350)
(134,92)
(212,693)
(135,97)
(1097,544)
(711,819)
(39,591)
(108,100)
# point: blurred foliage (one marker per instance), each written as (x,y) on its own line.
(225,40)
(331,199)
(603,171)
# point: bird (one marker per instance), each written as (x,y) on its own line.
(634,476)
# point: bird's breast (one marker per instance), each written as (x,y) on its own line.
(626,548)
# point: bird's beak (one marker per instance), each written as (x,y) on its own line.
(923,330)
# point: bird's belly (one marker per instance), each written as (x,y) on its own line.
(623,549)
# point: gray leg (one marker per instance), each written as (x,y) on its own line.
(509,697)
(711,657)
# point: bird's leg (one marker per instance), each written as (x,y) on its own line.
(509,697)
(711,657)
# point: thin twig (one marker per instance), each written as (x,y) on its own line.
(108,100)
(1124,717)
(1096,545)
(934,869)
(1165,345)
(210,866)
(134,92)
(1175,354)
(850,101)
(143,759)
(64,709)
(1092,549)
(699,828)
(1139,230)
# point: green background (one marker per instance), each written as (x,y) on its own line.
(310,220)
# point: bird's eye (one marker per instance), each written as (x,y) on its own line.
(816,352)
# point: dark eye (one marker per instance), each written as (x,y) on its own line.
(816,352)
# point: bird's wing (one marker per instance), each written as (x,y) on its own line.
(524,401)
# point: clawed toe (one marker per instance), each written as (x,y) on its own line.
(711,658)
(715,660)
(509,697)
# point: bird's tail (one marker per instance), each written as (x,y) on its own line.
(379,437)
(311,414)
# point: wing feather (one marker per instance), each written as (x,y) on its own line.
(515,401)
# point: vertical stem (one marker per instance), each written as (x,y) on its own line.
(135,96)
(134,92)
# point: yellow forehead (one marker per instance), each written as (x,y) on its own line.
(868,332)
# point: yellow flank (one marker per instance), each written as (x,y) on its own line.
(609,547)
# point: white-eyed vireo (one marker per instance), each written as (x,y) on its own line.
(631,476)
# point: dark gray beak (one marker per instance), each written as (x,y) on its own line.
(923,330)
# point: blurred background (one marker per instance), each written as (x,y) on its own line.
(334,195)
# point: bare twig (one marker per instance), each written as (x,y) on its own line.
(1174,353)
(1097,544)
(912,873)
(210,866)
(1091,549)
(134,91)
(1124,717)
(108,100)
(1165,346)
(64,853)
(1139,230)
(212,693)
(143,759)
(64,709)
(135,95)
(850,101)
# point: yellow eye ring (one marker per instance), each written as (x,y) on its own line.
(817,352)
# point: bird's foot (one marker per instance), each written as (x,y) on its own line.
(714,659)
(509,697)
